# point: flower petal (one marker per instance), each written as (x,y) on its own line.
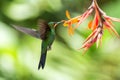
(68,14)
(84,16)
(111,28)
(98,40)
(111,18)
(93,33)
(65,24)
(115,19)
(70,31)
(93,24)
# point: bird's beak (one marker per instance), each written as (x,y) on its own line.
(57,23)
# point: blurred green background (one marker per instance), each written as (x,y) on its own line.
(19,53)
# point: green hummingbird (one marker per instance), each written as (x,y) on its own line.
(46,33)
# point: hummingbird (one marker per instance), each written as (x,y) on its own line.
(46,33)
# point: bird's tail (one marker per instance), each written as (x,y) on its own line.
(42,61)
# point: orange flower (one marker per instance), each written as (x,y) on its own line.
(95,36)
(93,24)
(84,16)
(79,19)
(100,22)
(70,22)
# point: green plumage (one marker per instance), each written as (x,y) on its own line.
(46,33)
(46,43)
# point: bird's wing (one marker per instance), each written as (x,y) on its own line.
(28,31)
(43,28)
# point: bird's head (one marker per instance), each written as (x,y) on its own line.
(51,24)
(54,24)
